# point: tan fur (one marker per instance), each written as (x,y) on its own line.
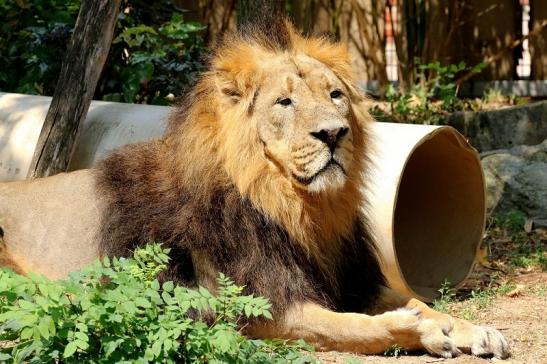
(239,70)
(399,321)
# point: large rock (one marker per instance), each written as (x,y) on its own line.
(516,180)
(503,128)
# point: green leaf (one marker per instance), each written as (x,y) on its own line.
(44,327)
(81,336)
(27,333)
(142,302)
(167,298)
(26,305)
(111,346)
(168,286)
(129,307)
(81,344)
(106,261)
(248,310)
(85,303)
(70,349)
(156,348)
(267,315)
(204,292)
(224,341)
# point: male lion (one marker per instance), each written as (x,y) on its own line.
(257,176)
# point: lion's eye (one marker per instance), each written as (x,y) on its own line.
(285,101)
(335,94)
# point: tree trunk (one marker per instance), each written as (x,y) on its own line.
(254,11)
(82,65)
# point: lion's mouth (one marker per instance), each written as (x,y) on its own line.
(332,163)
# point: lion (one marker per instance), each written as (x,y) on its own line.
(258,176)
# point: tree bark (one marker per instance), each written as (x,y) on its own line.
(253,11)
(86,54)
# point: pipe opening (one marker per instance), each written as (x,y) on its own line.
(439,214)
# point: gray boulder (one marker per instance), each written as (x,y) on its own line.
(516,180)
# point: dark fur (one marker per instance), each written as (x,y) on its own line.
(225,228)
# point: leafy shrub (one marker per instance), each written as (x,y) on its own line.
(116,311)
(513,221)
(156,55)
(433,96)
(33,39)
(156,62)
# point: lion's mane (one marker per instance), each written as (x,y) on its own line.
(205,191)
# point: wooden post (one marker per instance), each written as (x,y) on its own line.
(82,65)
(252,11)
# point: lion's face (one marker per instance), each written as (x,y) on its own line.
(303,119)
(278,116)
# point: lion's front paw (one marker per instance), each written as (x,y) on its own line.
(479,340)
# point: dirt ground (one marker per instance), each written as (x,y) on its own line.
(522,319)
(507,290)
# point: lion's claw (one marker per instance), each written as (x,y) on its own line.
(491,342)
(480,340)
(448,338)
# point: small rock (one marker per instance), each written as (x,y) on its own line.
(517,291)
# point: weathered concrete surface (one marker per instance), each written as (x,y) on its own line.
(516,180)
(504,128)
(108,125)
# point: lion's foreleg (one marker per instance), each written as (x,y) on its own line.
(352,332)
(467,337)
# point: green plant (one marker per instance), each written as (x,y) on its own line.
(156,55)
(524,251)
(433,95)
(158,61)
(494,95)
(33,39)
(395,350)
(116,311)
(447,296)
(513,221)
(480,299)
(530,259)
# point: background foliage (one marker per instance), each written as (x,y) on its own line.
(430,99)
(156,55)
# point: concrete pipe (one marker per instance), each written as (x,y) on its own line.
(108,125)
(426,195)
(427,205)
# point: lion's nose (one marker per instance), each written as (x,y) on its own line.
(331,137)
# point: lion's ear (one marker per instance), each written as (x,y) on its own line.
(227,87)
(234,70)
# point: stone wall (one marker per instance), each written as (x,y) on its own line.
(513,146)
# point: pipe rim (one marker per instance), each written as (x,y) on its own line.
(463,144)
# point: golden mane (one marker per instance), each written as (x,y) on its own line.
(210,152)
